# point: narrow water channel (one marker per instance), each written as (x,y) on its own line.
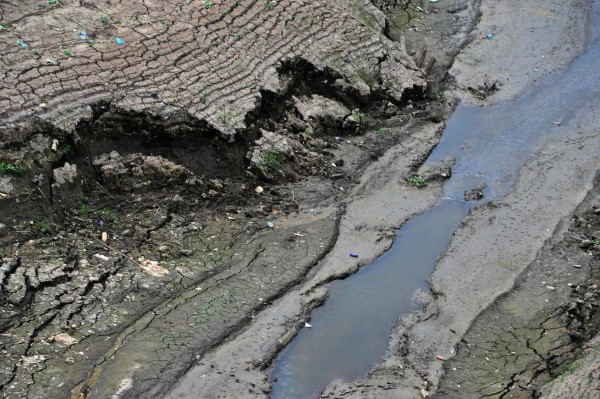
(490,144)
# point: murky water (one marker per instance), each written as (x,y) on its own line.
(350,332)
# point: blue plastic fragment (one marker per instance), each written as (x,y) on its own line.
(353,255)
(82,35)
(119,41)
(21,43)
(489,36)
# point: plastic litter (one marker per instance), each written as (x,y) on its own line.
(307,325)
(270,224)
(82,35)
(353,255)
(489,36)
(52,2)
(120,41)
(21,43)
(259,189)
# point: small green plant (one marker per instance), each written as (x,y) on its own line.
(7,167)
(40,228)
(4,25)
(269,6)
(366,120)
(274,160)
(84,209)
(367,75)
(105,20)
(203,95)
(440,95)
(226,116)
(208,4)
(173,173)
(418,181)
(238,64)
(69,53)
(383,130)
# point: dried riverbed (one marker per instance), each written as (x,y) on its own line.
(204,277)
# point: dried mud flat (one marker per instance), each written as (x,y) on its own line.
(234,153)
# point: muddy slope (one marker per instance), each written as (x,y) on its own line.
(158,191)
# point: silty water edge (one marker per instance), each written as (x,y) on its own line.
(489,144)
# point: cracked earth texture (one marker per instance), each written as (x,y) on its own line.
(124,320)
(199,60)
(533,333)
(188,258)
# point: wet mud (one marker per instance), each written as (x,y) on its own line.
(175,206)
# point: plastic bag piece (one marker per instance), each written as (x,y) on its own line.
(120,41)
(353,255)
(82,35)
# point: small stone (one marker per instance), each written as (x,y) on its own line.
(216,183)
(259,189)
(70,360)
(63,338)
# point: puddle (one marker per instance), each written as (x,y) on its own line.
(350,331)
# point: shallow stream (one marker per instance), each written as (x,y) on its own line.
(350,331)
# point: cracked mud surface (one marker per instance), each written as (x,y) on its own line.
(102,298)
(534,333)
(197,60)
(134,234)
(205,103)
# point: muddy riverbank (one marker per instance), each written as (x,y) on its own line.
(230,200)
(153,201)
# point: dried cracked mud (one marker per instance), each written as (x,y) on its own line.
(178,181)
